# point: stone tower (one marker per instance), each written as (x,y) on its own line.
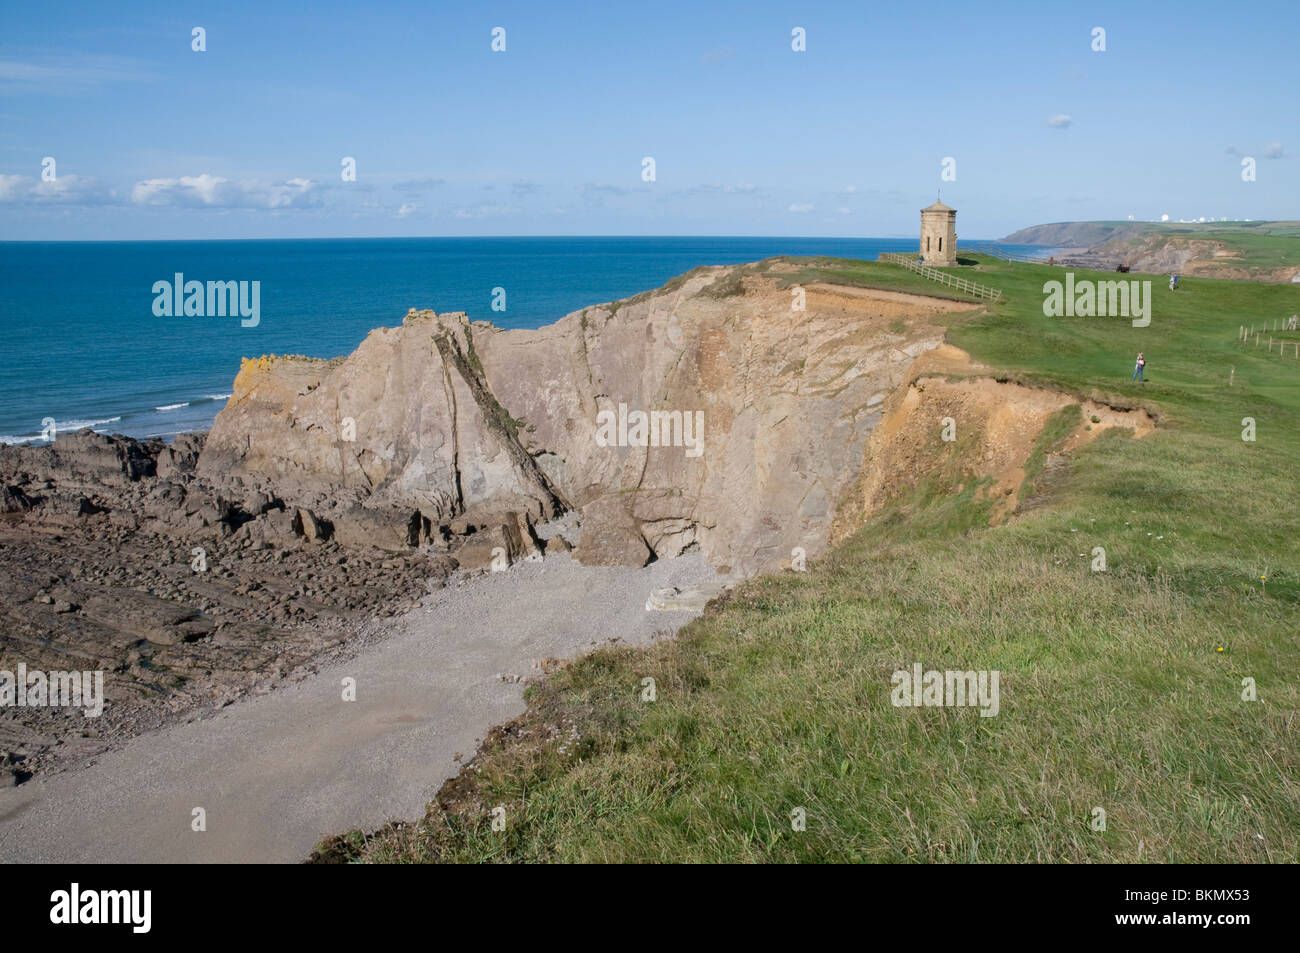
(939,235)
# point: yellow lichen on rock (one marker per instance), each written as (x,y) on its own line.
(275,373)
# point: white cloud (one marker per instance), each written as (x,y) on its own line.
(214,191)
(187,190)
(64,190)
(418,185)
(739,188)
(486,211)
(72,73)
(1273,150)
(801,207)
(406,209)
(12,187)
(1059,121)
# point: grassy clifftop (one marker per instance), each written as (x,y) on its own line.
(1121,690)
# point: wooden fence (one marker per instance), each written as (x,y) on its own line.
(943,277)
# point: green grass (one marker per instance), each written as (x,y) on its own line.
(1120,689)
(1055,432)
(870,274)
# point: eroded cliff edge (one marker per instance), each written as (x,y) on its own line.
(443,425)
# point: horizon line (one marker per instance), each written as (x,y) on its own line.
(341,238)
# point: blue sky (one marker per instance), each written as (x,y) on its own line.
(154,140)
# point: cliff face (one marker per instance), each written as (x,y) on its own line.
(995,427)
(394,425)
(763,416)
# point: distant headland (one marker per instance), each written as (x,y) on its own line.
(1250,250)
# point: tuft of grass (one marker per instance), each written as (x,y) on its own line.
(1054,433)
(731,282)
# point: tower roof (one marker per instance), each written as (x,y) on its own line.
(938,207)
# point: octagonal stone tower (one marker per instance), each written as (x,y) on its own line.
(939,235)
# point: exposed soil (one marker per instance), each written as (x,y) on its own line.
(995,426)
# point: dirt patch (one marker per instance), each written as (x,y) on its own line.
(874,302)
(965,428)
(1238,272)
(944,360)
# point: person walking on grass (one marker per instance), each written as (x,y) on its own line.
(1137,370)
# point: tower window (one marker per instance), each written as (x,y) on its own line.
(940,244)
(927,243)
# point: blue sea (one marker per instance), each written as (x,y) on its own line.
(83,346)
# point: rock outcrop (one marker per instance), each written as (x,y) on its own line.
(187,594)
(756,417)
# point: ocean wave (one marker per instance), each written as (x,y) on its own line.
(64,425)
(61,427)
(69,426)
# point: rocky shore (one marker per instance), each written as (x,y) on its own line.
(187,593)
